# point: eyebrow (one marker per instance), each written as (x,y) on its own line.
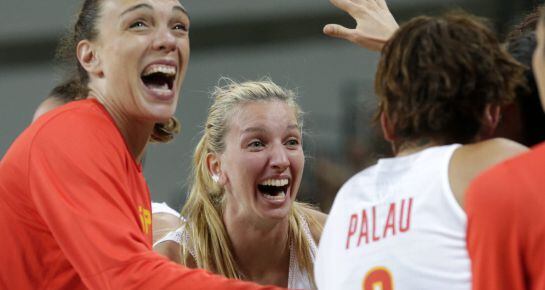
(253,129)
(293,126)
(259,129)
(135,7)
(147,6)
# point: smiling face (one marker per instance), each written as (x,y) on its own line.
(142,50)
(263,161)
(539,61)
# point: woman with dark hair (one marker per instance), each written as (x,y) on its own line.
(74,205)
(519,118)
(506,211)
(440,83)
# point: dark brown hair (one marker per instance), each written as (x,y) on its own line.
(437,74)
(528,102)
(528,24)
(66,91)
(75,86)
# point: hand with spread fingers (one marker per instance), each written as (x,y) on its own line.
(375,23)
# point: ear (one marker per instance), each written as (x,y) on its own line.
(88,57)
(387,128)
(491,119)
(213,163)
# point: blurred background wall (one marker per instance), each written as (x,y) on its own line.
(244,40)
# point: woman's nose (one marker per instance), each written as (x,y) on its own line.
(165,40)
(279,158)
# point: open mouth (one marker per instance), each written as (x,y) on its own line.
(159,78)
(274,189)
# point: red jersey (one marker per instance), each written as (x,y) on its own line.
(506,224)
(75,211)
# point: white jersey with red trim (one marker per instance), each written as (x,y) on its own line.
(396,225)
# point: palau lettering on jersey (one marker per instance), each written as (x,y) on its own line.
(364,228)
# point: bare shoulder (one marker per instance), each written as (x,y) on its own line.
(471,160)
(474,158)
(316,222)
(164,223)
(167,220)
(495,150)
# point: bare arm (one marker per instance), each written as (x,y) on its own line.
(375,24)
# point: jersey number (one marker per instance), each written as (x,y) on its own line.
(378,278)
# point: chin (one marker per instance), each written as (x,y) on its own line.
(277,213)
(161,113)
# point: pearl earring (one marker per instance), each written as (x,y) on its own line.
(215,178)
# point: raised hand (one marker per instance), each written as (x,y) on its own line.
(375,23)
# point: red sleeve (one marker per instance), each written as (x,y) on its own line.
(493,242)
(78,181)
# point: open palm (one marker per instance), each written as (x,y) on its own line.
(375,23)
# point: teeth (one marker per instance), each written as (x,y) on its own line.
(155,68)
(280,196)
(162,89)
(275,182)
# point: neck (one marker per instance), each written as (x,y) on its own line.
(261,248)
(410,147)
(136,133)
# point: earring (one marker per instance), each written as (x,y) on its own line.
(215,178)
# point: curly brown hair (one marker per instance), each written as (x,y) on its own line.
(437,74)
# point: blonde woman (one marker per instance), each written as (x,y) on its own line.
(242,218)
